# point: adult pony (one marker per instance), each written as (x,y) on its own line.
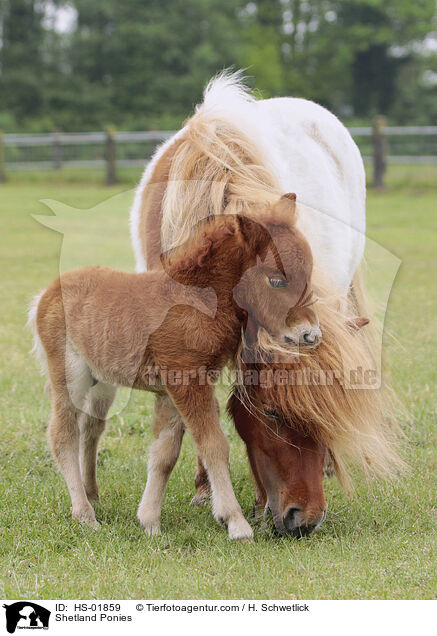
(238,155)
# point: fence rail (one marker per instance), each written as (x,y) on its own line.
(109,149)
(48,139)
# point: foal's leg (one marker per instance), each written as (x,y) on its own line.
(201,481)
(92,424)
(198,407)
(63,433)
(168,431)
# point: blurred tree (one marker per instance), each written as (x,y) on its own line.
(346,54)
(416,94)
(147,61)
(144,63)
(261,53)
(21,91)
(382,33)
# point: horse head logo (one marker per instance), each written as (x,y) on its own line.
(28,615)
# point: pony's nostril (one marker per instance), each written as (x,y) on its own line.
(290,519)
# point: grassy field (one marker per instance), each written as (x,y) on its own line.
(382,544)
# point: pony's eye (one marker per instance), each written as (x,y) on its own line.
(277,281)
(271,413)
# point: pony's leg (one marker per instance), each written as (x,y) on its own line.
(92,424)
(198,408)
(63,433)
(168,431)
(203,487)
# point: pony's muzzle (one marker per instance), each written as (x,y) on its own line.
(295,524)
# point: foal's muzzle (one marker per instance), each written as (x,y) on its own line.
(305,336)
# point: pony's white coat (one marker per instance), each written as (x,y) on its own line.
(310,153)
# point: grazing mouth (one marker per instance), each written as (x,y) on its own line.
(296,533)
(299,532)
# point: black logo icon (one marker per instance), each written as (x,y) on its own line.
(26,615)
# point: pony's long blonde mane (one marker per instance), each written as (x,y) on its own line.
(337,393)
(216,166)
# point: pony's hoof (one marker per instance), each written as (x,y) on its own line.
(239,529)
(93,496)
(200,498)
(328,471)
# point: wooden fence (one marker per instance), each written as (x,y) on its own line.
(109,150)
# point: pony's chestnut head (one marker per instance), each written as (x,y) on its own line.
(287,466)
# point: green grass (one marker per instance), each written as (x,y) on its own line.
(379,545)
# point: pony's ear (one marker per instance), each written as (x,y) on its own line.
(285,208)
(255,236)
(355,324)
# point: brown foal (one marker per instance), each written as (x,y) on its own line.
(99,328)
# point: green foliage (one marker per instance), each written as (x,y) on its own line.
(21,91)
(262,56)
(142,64)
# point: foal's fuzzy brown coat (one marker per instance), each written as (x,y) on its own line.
(101,328)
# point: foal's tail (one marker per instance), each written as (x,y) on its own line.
(38,348)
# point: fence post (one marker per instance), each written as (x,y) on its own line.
(379,151)
(57,150)
(2,159)
(110,156)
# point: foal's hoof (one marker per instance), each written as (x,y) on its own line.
(150,523)
(88,518)
(239,529)
(152,530)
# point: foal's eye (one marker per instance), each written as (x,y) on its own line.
(271,413)
(277,281)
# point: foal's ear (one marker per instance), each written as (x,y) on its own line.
(286,207)
(255,236)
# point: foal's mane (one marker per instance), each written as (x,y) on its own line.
(191,262)
(227,238)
